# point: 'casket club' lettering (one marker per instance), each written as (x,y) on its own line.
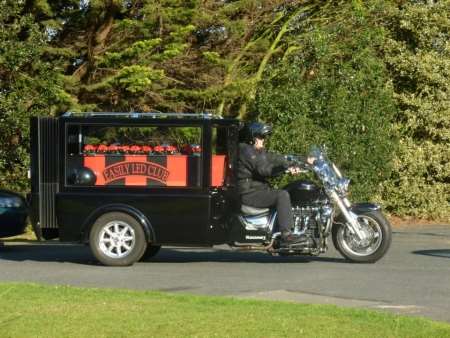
(122,169)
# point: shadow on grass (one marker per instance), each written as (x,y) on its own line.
(434,253)
(80,254)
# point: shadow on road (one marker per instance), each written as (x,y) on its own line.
(79,254)
(60,253)
(169,255)
(435,253)
(437,233)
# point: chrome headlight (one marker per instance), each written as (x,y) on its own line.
(321,168)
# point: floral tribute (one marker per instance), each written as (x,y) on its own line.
(162,149)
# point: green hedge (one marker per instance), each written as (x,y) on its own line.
(335,91)
(418,56)
(372,81)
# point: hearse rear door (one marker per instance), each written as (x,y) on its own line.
(222,166)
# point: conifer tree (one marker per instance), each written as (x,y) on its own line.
(29,86)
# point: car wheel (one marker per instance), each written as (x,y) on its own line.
(117,239)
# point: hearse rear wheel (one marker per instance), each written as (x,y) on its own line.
(117,239)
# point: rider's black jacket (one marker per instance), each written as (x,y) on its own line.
(255,166)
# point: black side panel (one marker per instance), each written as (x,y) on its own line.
(176,218)
(44,174)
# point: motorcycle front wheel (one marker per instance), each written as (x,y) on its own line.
(379,237)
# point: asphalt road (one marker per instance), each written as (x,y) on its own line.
(413,278)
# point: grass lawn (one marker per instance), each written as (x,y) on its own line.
(31,310)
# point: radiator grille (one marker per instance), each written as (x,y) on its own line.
(48,159)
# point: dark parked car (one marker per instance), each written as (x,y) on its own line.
(13,214)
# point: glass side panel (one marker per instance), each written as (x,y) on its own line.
(151,156)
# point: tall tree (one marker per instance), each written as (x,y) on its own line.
(169,54)
(263,32)
(121,55)
(28,86)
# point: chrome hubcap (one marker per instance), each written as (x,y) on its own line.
(366,247)
(117,239)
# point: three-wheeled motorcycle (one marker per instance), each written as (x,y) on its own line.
(129,183)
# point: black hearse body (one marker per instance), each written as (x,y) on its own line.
(173,173)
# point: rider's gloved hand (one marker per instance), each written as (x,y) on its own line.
(294,170)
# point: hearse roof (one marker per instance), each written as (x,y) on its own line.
(146,115)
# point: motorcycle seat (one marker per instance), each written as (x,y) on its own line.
(248,210)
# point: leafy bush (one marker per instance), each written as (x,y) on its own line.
(418,55)
(335,90)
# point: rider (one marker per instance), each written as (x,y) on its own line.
(255,165)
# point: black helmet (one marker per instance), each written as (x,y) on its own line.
(258,129)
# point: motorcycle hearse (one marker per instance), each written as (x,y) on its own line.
(129,183)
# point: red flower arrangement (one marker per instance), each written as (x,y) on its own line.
(191,149)
(135,149)
(159,149)
(89,148)
(102,148)
(113,148)
(166,149)
(170,149)
(196,149)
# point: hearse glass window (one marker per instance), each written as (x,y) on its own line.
(219,156)
(156,156)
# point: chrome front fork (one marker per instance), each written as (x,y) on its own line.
(352,219)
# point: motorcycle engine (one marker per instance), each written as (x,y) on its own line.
(310,220)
